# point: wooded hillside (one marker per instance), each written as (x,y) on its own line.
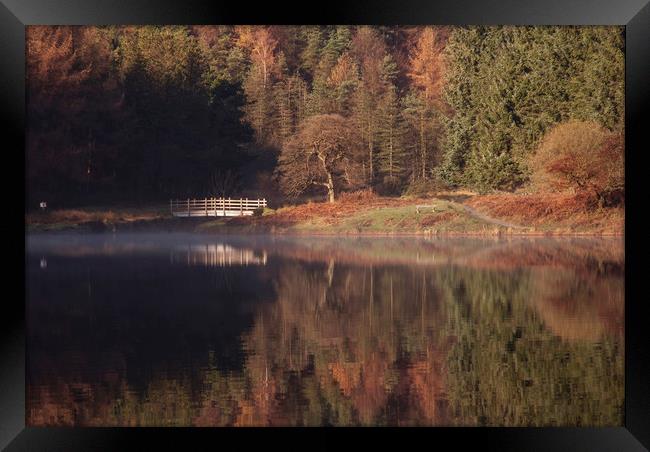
(147,113)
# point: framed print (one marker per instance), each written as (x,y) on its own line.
(385,215)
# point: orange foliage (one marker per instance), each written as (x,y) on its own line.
(369,49)
(344,71)
(535,207)
(427,385)
(346,375)
(576,315)
(427,65)
(561,209)
(371,396)
(60,60)
(365,195)
(580,156)
(262,45)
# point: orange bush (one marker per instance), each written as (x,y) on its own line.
(532,208)
(581,157)
(359,195)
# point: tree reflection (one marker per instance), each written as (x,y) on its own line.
(542,349)
(326,340)
(365,341)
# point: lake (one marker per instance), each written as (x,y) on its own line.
(201,330)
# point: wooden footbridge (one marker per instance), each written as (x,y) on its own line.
(215,207)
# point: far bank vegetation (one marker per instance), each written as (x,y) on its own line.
(144,113)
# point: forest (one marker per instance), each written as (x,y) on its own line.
(146,113)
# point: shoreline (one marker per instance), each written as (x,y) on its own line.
(370,216)
(162,226)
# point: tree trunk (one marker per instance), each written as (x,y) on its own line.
(370,159)
(390,155)
(330,194)
(330,188)
(423,146)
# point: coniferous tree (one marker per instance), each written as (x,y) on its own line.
(258,85)
(225,60)
(290,98)
(426,70)
(73,105)
(323,98)
(507,85)
(423,132)
(391,135)
(312,38)
(369,51)
(391,130)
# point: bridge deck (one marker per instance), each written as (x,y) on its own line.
(215,207)
(213,213)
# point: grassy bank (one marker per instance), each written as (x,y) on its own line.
(367,214)
(93,218)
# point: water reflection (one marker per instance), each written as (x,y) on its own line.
(187,330)
(215,255)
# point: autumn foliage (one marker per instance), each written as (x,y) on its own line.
(582,157)
(152,112)
(321,154)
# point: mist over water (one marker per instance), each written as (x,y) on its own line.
(183,329)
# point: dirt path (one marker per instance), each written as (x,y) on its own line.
(476,214)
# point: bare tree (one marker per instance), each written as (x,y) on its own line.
(322,153)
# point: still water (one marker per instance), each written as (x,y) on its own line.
(180,330)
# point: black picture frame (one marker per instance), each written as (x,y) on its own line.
(633,14)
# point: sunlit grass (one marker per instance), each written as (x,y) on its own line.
(74,218)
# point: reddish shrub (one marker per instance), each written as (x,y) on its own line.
(581,157)
(359,195)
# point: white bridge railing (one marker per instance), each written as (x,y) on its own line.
(215,207)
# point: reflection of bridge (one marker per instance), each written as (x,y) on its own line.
(215,207)
(216,255)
